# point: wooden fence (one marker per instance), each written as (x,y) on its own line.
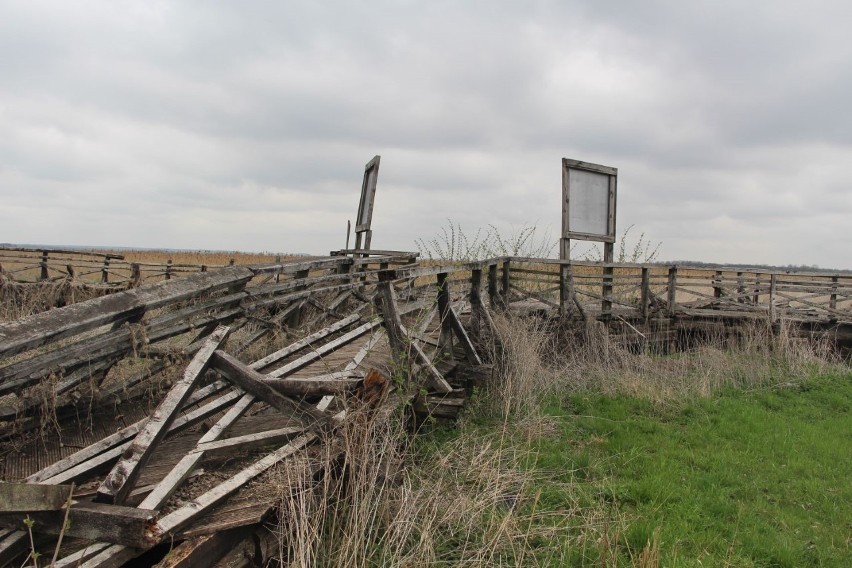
(94,379)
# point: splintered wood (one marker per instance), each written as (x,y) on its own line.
(177,452)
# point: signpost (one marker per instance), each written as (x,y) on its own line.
(588,214)
(363,233)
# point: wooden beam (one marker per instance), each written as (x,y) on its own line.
(331,383)
(90,521)
(304,342)
(123,476)
(182,516)
(457,327)
(53,325)
(229,446)
(29,497)
(255,383)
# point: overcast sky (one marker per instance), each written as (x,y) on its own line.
(246,125)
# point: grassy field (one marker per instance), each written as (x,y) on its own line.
(755,477)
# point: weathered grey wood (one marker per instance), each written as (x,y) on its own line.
(169,484)
(228,446)
(645,294)
(457,327)
(306,341)
(77,558)
(773,311)
(52,325)
(445,342)
(475,297)
(90,521)
(332,383)
(402,345)
(205,550)
(123,476)
(492,285)
(49,474)
(323,350)
(672,291)
(504,287)
(180,517)
(29,497)
(255,383)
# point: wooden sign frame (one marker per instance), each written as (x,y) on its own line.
(364,220)
(577,187)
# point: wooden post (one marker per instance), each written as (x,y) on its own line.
(445,339)
(278,274)
(832,300)
(43,264)
(231,262)
(105,271)
(296,316)
(717,284)
(564,291)
(756,298)
(475,302)
(203,268)
(608,275)
(504,289)
(740,288)
(773,315)
(169,269)
(492,285)
(135,275)
(644,300)
(672,291)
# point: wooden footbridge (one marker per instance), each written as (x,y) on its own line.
(90,397)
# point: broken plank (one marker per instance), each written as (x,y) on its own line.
(302,343)
(90,521)
(461,335)
(182,516)
(184,467)
(332,383)
(253,382)
(124,474)
(227,446)
(52,325)
(30,497)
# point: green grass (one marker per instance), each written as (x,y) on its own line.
(743,478)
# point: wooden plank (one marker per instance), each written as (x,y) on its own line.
(84,455)
(457,327)
(30,497)
(90,521)
(53,325)
(182,516)
(304,342)
(331,383)
(169,484)
(255,383)
(204,550)
(229,446)
(124,474)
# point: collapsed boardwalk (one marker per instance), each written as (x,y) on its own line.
(182,473)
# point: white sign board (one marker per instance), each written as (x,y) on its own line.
(588,201)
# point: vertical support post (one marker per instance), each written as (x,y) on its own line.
(645,297)
(203,268)
(278,261)
(295,318)
(565,298)
(475,302)
(43,265)
(504,288)
(740,288)
(169,269)
(773,315)
(492,285)
(105,271)
(672,291)
(231,262)
(608,275)
(136,275)
(445,339)
(832,300)
(756,297)
(717,284)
